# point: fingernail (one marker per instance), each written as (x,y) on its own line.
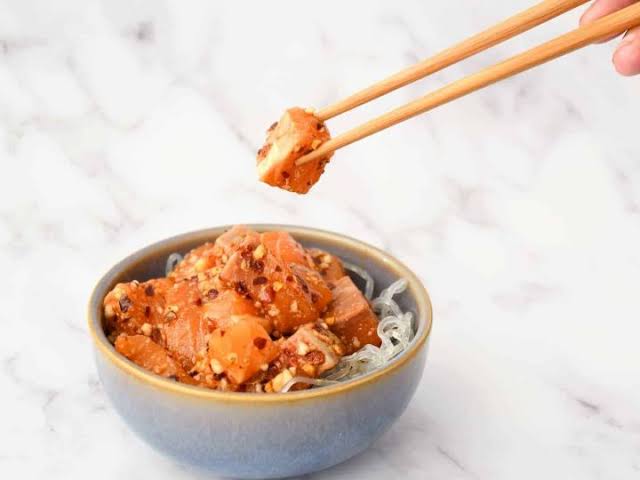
(628,38)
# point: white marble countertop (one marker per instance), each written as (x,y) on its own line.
(122,123)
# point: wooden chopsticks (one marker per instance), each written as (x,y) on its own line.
(500,32)
(603,28)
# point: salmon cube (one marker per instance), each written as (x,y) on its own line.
(135,307)
(193,317)
(312,350)
(198,260)
(285,248)
(211,255)
(296,133)
(186,328)
(351,317)
(149,355)
(241,350)
(283,296)
(226,304)
(329,266)
(313,283)
(232,239)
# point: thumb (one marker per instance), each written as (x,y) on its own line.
(626,58)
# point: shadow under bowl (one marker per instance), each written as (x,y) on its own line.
(249,435)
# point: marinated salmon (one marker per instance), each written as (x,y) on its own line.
(284,247)
(284,297)
(241,350)
(247,313)
(135,307)
(297,133)
(329,266)
(150,356)
(313,350)
(351,317)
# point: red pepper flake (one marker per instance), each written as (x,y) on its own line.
(260,280)
(289,278)
(285,174)
(260,342)
(303,284)
(256,265)
(198,302)
(315,358)
(125,303)
(241,288)
(264,150)
(147,311)
(315,297)
(222,332)
(212,294)
(278,268)
(149,291)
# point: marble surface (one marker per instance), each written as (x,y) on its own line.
(122,123)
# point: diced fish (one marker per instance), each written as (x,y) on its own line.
(351,317)
(297,132)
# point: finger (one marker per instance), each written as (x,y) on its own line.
(626,58)
(601,8)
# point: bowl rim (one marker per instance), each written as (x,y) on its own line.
(415,288)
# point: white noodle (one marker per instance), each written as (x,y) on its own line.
(362,273)
(172,262)
(318,382)
(395,331)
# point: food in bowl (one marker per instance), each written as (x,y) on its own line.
(297,133)
(257,312)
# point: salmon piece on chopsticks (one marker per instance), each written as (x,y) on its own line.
(297,133)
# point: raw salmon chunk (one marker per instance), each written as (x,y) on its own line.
(312,283)
(186,326)
(149,355)
(283,296)
(193,317)
(329,266)
(135,307)
(226,304)
(285,248)
(351,317)
(230,240)
(241,350)
(313,349)
(198,260)
(309,352)
(296,133)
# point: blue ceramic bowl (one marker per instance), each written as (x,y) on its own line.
(248,435)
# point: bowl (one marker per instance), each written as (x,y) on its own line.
(253,435)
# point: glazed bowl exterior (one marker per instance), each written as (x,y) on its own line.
(248,435)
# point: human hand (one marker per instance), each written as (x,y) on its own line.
(626,58)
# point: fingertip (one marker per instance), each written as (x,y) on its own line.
(587,16)
(626,59)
